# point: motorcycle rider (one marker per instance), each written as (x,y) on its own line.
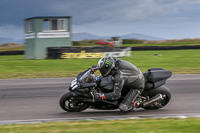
(124,75)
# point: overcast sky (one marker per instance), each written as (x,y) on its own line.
(168,19)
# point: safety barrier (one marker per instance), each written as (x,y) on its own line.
(87,52)
(56,52)
(165,48)
(21,52)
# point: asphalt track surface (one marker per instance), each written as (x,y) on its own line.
(31,99)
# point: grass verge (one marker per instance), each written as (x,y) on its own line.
(11,47)
(178,61)
(126,42)
(171,125)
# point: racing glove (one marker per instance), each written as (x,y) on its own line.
(93,69)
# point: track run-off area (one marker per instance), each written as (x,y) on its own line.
(29,100)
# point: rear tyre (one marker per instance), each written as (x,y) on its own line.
(163,90)
(71,104)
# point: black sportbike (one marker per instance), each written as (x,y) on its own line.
(83,88)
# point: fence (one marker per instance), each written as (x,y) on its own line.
(56,52)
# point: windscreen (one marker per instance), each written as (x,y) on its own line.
(85,76)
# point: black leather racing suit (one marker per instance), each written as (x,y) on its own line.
(129,76)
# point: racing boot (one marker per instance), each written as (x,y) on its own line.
(128,103)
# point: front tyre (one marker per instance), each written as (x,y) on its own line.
(163,90)
(71,104)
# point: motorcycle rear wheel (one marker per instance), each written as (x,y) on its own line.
(163,90)
(71,104)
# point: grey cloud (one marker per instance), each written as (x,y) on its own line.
(112,11)
(89,11)
(166,1)
(84,11)
(12,31)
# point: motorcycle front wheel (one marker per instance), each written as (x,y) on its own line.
(71,104)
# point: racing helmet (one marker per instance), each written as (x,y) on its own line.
(105,65)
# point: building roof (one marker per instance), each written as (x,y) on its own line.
(48,17)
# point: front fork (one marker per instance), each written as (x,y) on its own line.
(87,95)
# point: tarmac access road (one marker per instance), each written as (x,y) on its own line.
(31,99)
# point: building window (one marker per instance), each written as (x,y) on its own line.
(55,24)
(29,27)
(46,25)
(62,24)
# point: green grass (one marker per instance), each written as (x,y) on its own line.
(127,42)
(11,49)
(164,44)
(136,43)
(178,61)
(190,125)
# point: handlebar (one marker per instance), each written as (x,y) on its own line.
(93,69)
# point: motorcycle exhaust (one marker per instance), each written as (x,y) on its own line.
(153,100)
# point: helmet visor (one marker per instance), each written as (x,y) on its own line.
(105,71)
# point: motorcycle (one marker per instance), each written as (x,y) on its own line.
(85,85)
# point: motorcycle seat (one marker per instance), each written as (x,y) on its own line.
(156,77)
